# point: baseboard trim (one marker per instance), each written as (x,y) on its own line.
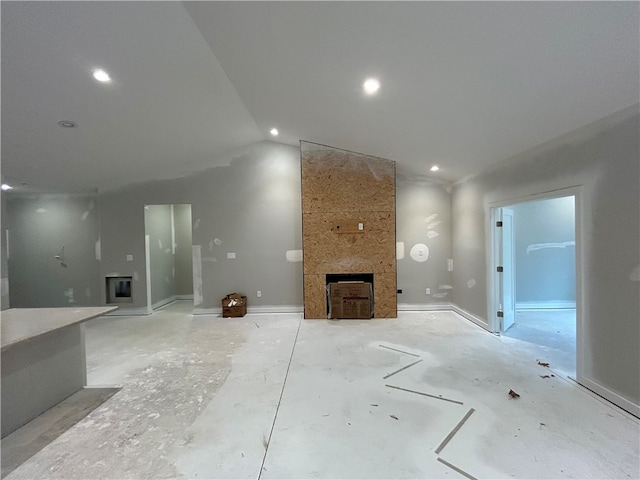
(442,307)
(424,307)
(618,400)
(129,312)
(545,305)
(276,309)
(163,302)
(184,297)
(481,322)
(253,310)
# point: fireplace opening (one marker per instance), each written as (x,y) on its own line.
(350,295)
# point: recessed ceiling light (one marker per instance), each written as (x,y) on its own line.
(6,186)
(101,75)
(274,132)
(67,124)
(371,86)
(435,168)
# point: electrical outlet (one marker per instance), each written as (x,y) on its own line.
(231,256)
(399,290)
(259,293)
(427,291)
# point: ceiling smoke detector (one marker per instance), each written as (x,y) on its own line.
(67,124)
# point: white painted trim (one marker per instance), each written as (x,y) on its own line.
(164,302)
(173,233)
(558,305)
(424,307)
(581,246)
(147,267)
(274,309)
(443,307)
(582,313)
(620,401)
(184,297)
(481,322)
(494,246)
(129,312)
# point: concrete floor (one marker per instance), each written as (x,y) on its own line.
(275,396)
(553,332)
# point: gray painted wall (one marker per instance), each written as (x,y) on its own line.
(158,222)
(604,159)
(38,229)
(250,207)
(423,216)
(183,250)
(545,258)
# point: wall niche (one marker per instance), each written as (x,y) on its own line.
(348,224)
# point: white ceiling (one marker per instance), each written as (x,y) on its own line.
(464,85)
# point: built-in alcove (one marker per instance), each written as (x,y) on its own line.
(119,290)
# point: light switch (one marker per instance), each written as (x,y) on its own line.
(361,226)
(231,256)
(129,258)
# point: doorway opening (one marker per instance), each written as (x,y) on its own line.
(535,289)
(168,247)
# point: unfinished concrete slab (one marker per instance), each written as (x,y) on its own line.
(275,396)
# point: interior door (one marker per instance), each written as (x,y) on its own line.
(508,263)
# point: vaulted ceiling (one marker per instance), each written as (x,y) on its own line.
(463,84)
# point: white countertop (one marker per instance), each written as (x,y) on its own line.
(21,324)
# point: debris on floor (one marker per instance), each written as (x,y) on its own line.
(401,369)
(547,376)
(543,364)
(439,397)
(401,351)
(394,417)
(454,431)
(459,470)
(374,404)
(513,394)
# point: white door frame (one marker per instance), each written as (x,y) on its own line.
(493,257)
